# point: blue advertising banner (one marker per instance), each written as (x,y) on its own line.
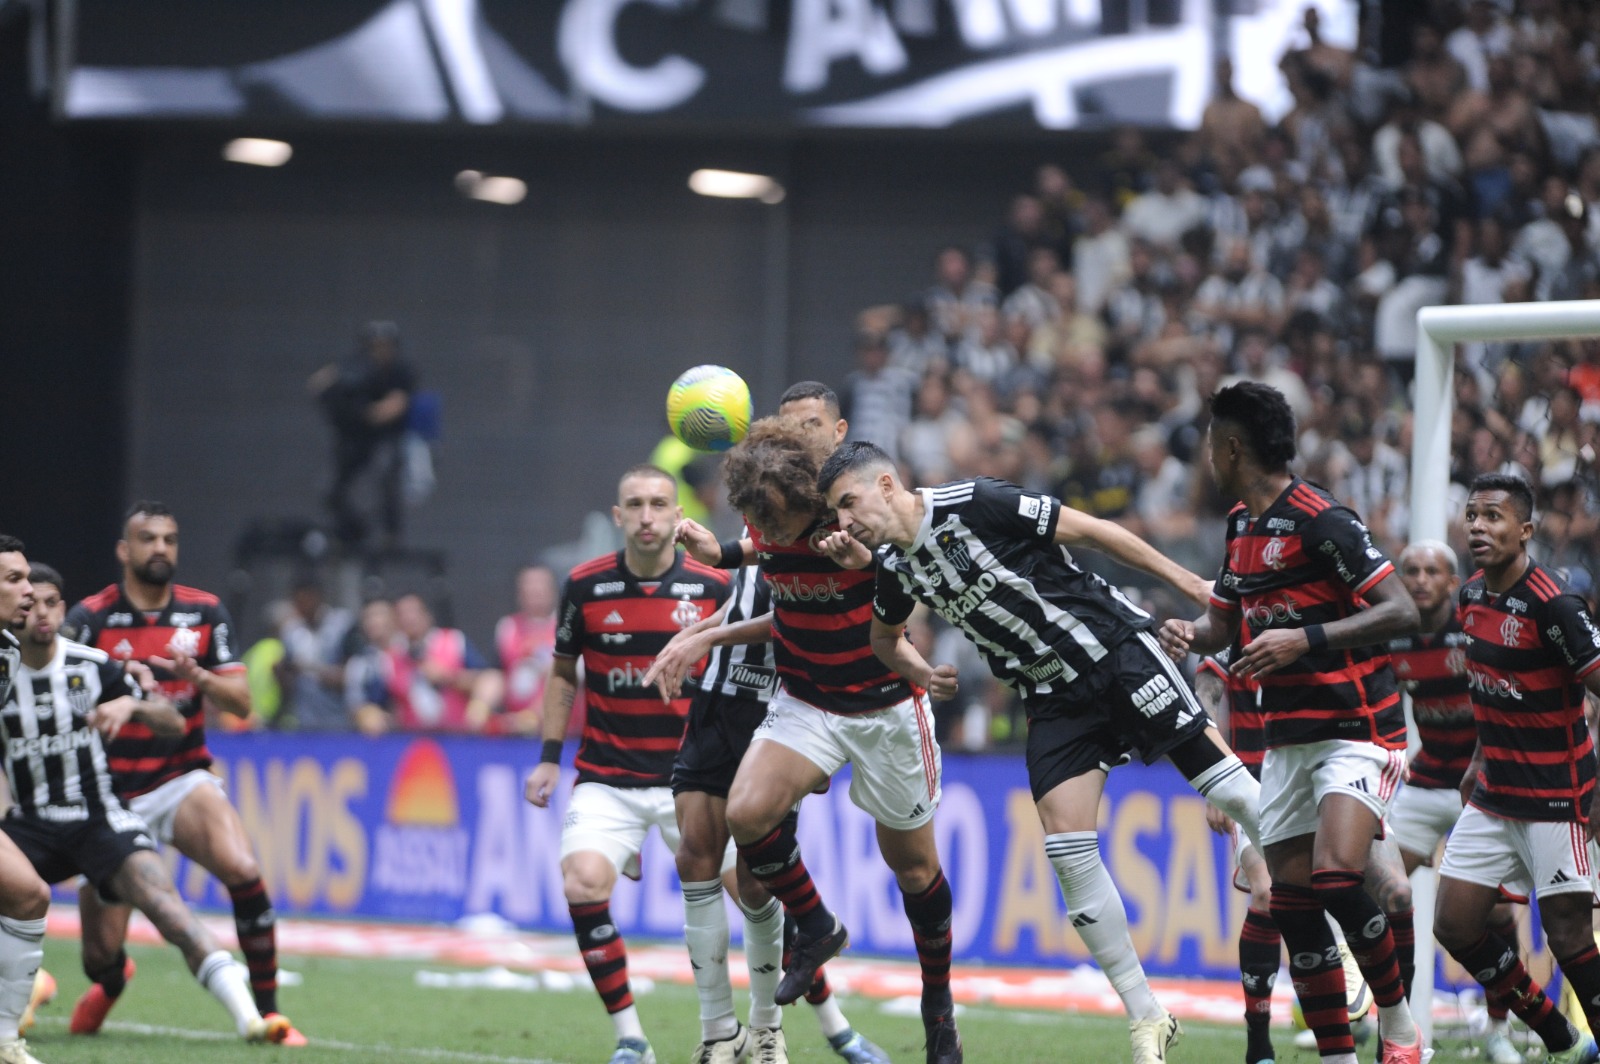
(434,829)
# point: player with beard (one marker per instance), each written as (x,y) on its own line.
(66,699)
(186,636)
(24,897)
(1533,653)
(617,611)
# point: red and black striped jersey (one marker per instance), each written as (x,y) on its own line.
(1432,668)
(1308,560)
(1528,651)
(617,623)
(194,621)
(822,627)
(1247,728)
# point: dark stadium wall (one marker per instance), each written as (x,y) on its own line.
(551,328)
(66,226)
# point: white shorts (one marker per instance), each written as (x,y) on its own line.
(897,769)
(159,808)
(613,822)
(1295,780)
(1519,857)
(1421,816)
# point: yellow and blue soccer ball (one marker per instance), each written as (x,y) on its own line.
(708,407)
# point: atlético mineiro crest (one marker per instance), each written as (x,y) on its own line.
(687,614)
(955,549)
(1272,553)
(1511,631)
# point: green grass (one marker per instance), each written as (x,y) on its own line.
(373,1011)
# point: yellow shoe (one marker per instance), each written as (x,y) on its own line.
(1357,995)
(1152,1038)
(44,992)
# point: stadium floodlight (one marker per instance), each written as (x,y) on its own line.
(733,184)
(257,151)
(491,188)
(1439,329)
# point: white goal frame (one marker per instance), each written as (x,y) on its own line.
(1439,329)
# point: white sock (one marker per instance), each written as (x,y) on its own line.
(1097,912)
(1229,786)
(763,952)
(830,1017)
(705,932)
(227,981)
(626,1024)
(21,953)
(1396,1025)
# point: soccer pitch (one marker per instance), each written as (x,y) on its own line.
(375,1011)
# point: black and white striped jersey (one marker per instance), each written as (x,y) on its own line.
(55,762)
(985,559)
(746,671)
(10,662)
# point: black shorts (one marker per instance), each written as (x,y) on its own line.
(1147,708)
(95,848)
(719,731)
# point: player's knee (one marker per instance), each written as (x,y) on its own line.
(242,868)
(1454,933)
(1566,930)
(583,887)
(1261,897)
(696,864)
(749,820)
(1397,898)
(32,902)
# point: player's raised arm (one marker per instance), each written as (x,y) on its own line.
(678,658)
(703,546)
(1074,528)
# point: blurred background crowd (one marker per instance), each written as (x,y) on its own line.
(1075,350)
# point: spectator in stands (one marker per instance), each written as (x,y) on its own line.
(914,345)
(438,681)
(925,445)
(366,398)
(1255,359)
(1099,256)
(1062,201)
(956,295)
(1016,241)
(1483,36)
(1232,130)
(367,667)
(876,399)
(1071,326)
(1239,295)
(1371,477)
(314,637)
(986,354)
(1169,210)
(1033,301)
(1433,75)
(525,643)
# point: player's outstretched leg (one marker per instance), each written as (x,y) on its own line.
(207,829)
(143,880)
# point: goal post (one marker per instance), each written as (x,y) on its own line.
(1439,329)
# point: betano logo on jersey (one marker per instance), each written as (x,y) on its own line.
(421,847)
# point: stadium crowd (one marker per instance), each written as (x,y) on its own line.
(1074,352)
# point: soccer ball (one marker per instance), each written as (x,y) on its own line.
(708,408)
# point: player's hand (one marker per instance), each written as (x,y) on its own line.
(1218,821)
(181,664)
(542,783)
(675,662)
(842,549)
(141,674)
(943,683)
(1175,635)
(1271,651)
(699,541)
(108,717)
